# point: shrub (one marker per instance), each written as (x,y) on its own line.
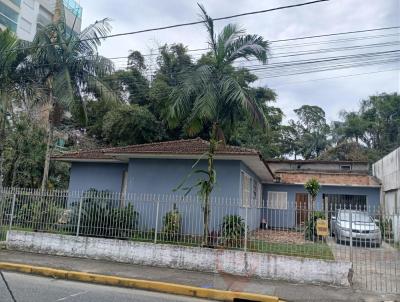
(39,215)
(233,229)
(311,225)
(100,216)
(172,224)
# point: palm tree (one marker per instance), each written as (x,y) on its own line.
(9,61)
(69,68)
(211,96)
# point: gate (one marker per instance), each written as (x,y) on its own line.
(376,267)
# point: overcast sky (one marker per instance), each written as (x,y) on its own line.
(331,90)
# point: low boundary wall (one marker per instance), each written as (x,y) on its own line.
(260,265)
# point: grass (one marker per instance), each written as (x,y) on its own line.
(307,250)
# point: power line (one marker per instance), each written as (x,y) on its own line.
(337,77)
(186,24)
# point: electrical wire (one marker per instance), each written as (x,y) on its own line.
(181,24)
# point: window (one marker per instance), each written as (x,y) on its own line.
(277,200)
(345,167)
(246,182)
(256,194)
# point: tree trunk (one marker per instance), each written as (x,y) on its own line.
(210,182)
(49,149)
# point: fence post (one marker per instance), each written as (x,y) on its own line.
(156,228)
(351,235)
(12,211)
(245,229)
(79,217)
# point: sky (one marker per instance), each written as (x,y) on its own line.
(333,90)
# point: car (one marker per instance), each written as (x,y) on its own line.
(363,228)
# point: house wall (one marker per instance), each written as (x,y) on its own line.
(99,176)
(316,166)
(253,213)
(287,218)
(162,176)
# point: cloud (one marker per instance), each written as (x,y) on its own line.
(340,92)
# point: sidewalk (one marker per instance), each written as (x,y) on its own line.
(284,290)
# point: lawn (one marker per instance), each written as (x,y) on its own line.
(307,250)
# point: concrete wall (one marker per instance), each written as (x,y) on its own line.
(315,166)
(259,265)
(388,171)
(287,218)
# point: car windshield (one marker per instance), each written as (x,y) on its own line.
(355,217)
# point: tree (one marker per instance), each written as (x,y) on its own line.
(312,187)
(10,58)
(309,133)
(210,97)
(129,125)
(69,67)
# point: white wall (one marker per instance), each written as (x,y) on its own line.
(234,262)
(27,19)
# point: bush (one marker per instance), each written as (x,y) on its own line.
(233,229)
(100,216)
(172,224)
(38,215)
(386,228)
(311,225)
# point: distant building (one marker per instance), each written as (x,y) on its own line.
(25,17)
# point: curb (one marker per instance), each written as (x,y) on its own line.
(169,288)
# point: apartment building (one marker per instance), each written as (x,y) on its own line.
(25,17)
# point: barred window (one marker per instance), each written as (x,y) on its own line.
(277,200)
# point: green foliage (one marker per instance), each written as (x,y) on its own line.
(233,230)
(312,187)
(210,93)
(101,216)
(311,225)
(308,136)
(38,215)
(172,225)
(386,227)
(131,124)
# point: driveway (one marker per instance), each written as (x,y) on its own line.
(376,269)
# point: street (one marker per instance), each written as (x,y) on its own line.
(27,288)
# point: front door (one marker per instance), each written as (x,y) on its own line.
(301,207)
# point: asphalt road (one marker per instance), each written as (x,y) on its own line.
(27,288)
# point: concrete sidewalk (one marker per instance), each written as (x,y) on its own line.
(284,290)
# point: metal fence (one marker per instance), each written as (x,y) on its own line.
(361,234)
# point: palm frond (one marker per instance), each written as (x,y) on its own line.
(227,36)
(248,46)
(235,96)
(209,22)
(62,88)
(90,37)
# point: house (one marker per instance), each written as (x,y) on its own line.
(344,184)
(262,190)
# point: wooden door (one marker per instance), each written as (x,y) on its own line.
(301,207)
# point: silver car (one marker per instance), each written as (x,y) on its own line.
(363,227)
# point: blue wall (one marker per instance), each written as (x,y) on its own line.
(162,176)
(287,218)
(253,213)
(100,176)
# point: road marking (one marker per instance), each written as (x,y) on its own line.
(71,296)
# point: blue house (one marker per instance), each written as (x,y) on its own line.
(265,191)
